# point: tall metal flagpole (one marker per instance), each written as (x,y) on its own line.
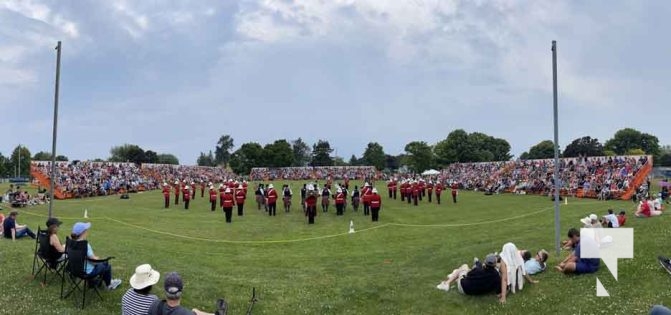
(556,144)
(53,139)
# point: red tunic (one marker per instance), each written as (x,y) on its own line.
(213,195)
(454,187)
(340,199)
(176,190)
(166,191)
(186,195)
(228,201)
(439,188)
(240,197)
(366,196)
(375,201)
(272,195)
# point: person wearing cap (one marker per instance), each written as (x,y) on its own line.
(271,197)
(228,204)
(173,286)
(193,190)
(137,300)
(286,197)
(365,198)
(177,192)
(80,232)
(166,195)
(56,250)
(202,188)
(479,280)
(240,196)
(186,196)
(12,229)
(375,204)
(340,201)
(311,204)
(213,198)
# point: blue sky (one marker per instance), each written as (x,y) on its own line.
(173,76)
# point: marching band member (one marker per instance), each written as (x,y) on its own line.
(311,204)
(176,193)
(356,197)
(455,190)
(390,188)
(345,193)
(429,188)
(326,193)
(222,192)
(193,190)
(366,192)
(260,197)
(202,188)
(186,195)
(228,204)
(415,192)
(272,200)
(394,187)
(304,193)
(213,197)
(166,195)
(340,201)
(375,204)
(286,197)
(439,189)
(240,197)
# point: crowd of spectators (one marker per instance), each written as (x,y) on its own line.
(604,177)
(86,179)
(169,173)
(314,172)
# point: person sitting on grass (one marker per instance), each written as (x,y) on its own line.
(137,300)
(660,310)
(478,280)
(610,220)
(173,286)
(645,210)
(80,232)
(574,263)
(621,218)
(512,271)
(11,229)
(588,222)
(536,264)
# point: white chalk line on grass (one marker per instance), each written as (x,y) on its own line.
(195,238)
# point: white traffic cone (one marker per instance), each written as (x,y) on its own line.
(86,213)
(351,227)
(565,200)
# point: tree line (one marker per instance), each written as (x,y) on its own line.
(458,147)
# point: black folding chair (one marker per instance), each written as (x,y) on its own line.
(75,270)
(46,259)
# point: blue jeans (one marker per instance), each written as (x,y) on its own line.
(23,232)
(105,269)
(660,310)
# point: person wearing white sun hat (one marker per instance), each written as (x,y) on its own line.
(176,192)
(186,196)
(137,300)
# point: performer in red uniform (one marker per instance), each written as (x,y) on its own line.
(421,186)
(202,188)
(439,189)
(311,204)
(240,197)
(166,195)
(244,186)
(193,190)
(415,193)
(186,195)
(390,188)
(375,204)
(455,189)
(213,198)
(340,201)
(222,191)
(366,192)
(429,190)
(228,204)
(286,197)
(176,193)
(394,187)
(403,189)
(272,200)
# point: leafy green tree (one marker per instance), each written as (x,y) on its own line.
(353,161)
(462,147)
(635,151)
(46,156)
(20,159)
(392,162)
(420,156)
(166,158)
(150,157)
(374,155)
(585,146)
(206,159)
(278,154)
(321,154)
(222,154)
(247,156)
(4,166)
(542,150)
(127,153)
(628,138)
(302,152)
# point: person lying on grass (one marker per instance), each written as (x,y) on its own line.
(535,264)
(574,263)
(479,280)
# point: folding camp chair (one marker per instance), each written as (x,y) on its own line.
(75,270)
(46,258)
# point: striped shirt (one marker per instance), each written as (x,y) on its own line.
(133,303)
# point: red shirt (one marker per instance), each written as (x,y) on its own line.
(390,186)
(366,196)
(186,193)
(439,189)
(213,195)
(272,195)
(166,191)
(375,201)
(621,219)
(240,197)
(340,199)
(177,190)
(645,208)
(311,201)
(454,187)
(228,201)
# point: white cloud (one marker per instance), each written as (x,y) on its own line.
(43,13)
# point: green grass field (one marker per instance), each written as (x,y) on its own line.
(387,267)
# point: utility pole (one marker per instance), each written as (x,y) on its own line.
(52,176)
(556,144)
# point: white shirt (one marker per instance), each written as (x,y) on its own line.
(613,220)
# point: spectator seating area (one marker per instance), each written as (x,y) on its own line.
(197,174)
(605,177)
(314,173)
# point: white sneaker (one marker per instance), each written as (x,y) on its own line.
(114,284)
(443,286)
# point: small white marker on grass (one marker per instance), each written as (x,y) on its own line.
(86,213)
(351,226)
